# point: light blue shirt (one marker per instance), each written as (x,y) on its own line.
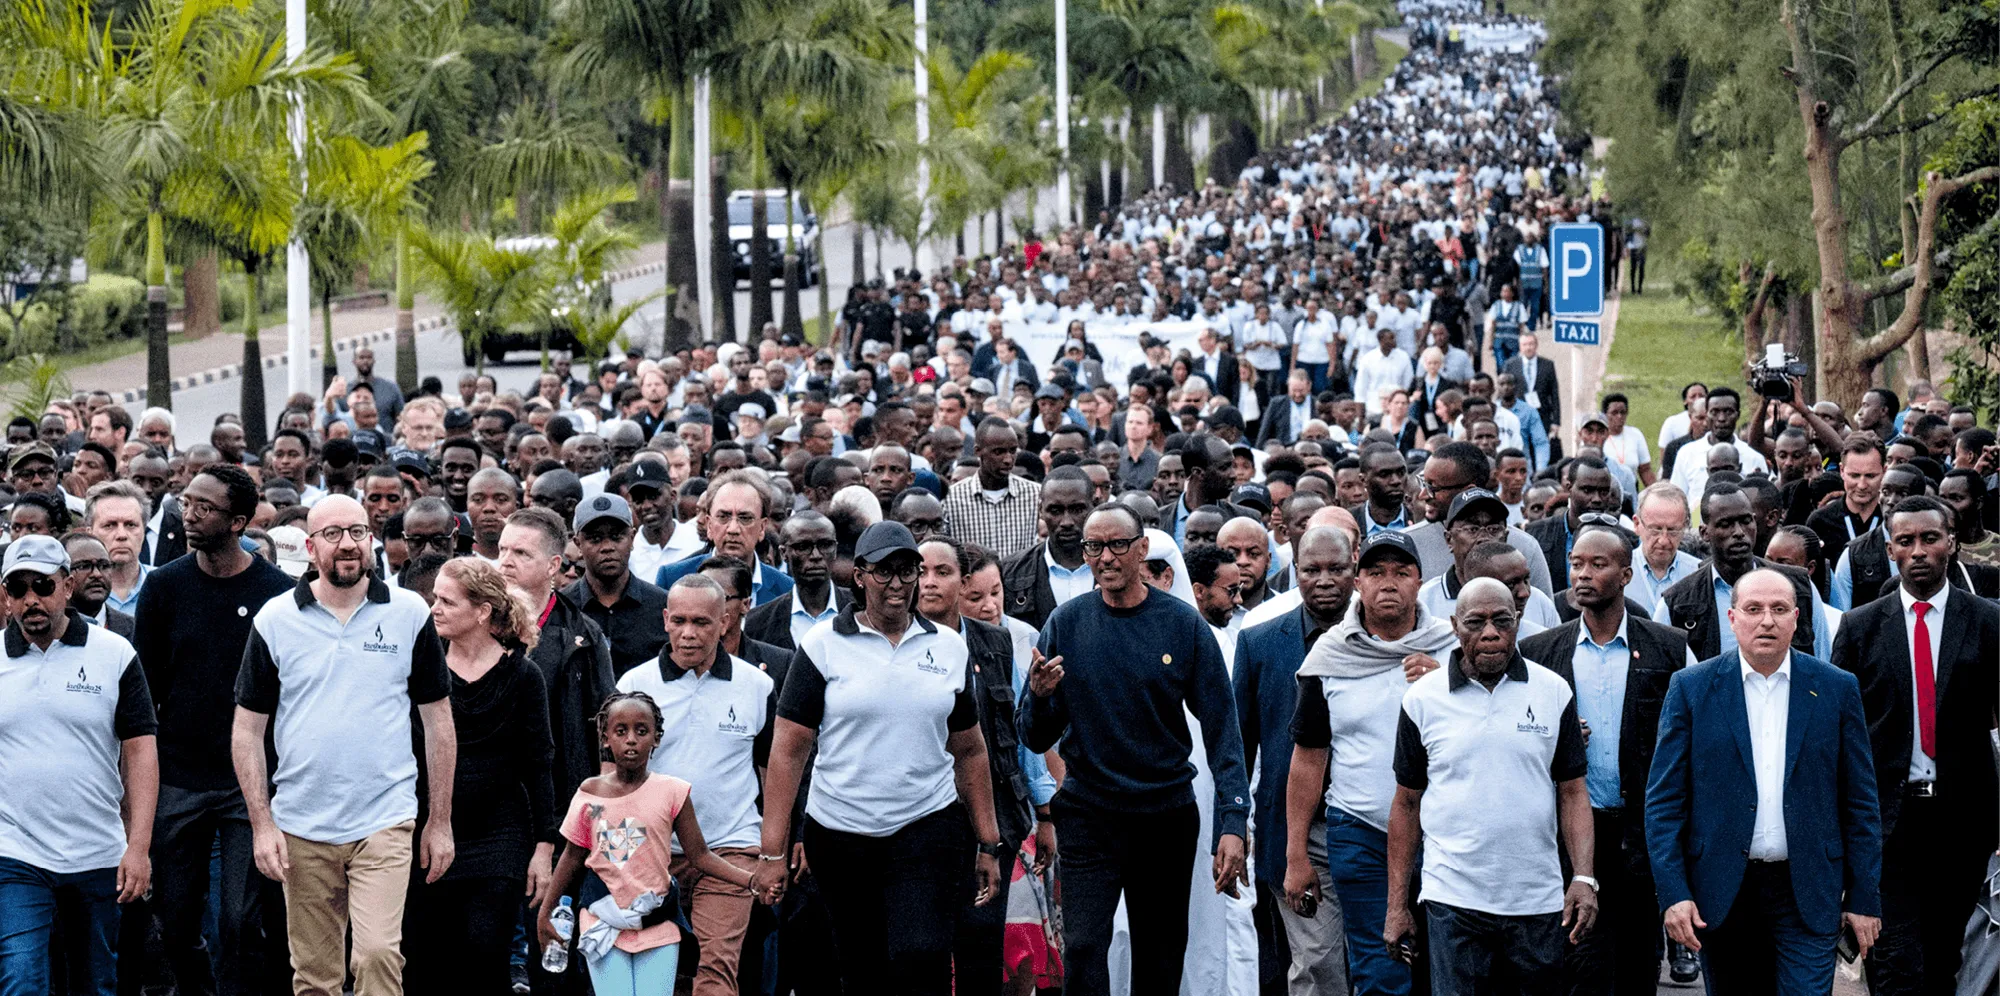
(1398,524)
(1534,435)
(130,602)
(1646,587)
(1822,633)
(802,620)
(1600,701)
(1034,767)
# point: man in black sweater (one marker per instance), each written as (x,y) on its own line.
(1126,815)
(192,620)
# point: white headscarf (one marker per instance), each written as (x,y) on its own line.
(1161,546)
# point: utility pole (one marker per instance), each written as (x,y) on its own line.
(298,267)
(923,260)
(1062,112)
(704,227)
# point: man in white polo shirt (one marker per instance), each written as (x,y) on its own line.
(337,663)
(1488,750)
(717,715)
(76,743)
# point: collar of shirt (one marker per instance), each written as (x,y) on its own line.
(799,608)
(1936,601)
(848,623)
(1750,674)
(75,635)
(1401,521)
(719,669)
(1057,570)
(1517,670)
(1583,634)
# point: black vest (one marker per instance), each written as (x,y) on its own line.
(991,655)
(1868,565)
(1691,601)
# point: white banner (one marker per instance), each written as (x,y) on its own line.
(1500,37)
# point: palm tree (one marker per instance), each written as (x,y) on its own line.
(821,154)
(182,79)
(357,195)
(483,286)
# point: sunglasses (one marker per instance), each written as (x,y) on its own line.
(44,585)
(442,541)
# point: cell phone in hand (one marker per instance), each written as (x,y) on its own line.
(1309,904)
(1848,946)
(1405,948)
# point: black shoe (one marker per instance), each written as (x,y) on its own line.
(1682,965)
(519,978)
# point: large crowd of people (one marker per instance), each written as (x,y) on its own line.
(1308,659)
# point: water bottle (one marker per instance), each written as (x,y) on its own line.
(555,957)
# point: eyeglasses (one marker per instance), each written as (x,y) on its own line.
(34,473)
(201,509)
(1118,547)
(803,547)
(331,535)
(1597,519)
(44,586)
(886,573)
(90,566)
(443,541)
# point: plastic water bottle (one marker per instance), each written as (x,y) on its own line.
(555,957)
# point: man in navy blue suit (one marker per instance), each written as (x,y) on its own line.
(1764,858)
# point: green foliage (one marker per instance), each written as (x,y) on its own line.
(1970,300)
(106,308)
(30,382)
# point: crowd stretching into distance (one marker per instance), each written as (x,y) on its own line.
(1306,660)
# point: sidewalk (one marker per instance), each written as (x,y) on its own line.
(220,355)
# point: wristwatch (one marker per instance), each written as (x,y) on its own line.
(1587,880)
(996,849)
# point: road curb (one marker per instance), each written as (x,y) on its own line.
(234,370)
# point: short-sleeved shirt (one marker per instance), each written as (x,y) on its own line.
(65,713)
(628,843)
(1488,763)
(634,624)
(1355,720)
(339,696)
(884,714)
(715,732)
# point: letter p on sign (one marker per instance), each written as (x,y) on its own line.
(1577,251)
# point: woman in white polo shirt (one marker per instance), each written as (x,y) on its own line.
(888,697)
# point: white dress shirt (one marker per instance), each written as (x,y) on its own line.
(1769,704)
(1923,768)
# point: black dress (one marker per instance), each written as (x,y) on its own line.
(457,930)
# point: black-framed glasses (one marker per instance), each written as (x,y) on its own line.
(90,566)
(803,547)
(905,572)
(1118,547)
(200,508)
(44,585)
(331,535)
(35,473)
(416,541)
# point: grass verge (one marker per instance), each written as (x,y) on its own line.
(1662,344)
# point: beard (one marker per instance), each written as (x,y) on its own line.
(346,573)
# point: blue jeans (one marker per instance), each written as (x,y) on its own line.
(1505,347)
(1531,296)
(648,973)
(1357,858)
(1318,373)
(28,898)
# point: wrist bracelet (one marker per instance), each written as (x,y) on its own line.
(770,857)
(1587,880)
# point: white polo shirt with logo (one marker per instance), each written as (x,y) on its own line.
(715,732)
(1488,763)
(65,713)
(883,714)
(339,696)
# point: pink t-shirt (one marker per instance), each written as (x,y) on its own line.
(627,840)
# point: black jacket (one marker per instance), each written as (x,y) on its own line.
(119,623)
(1873,646)
(1691,604)
(171,541)
(1868,565)
(1025,580)
(1657,652)
(771,622)
(575,660)
(1547,392)
(1224,382)
(1551,533)
(990,651)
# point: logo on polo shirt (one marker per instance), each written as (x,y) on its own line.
(929,665)
(730,724)
(1528,725)
(378,646)
(83,685)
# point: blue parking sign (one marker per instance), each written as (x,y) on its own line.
(1576,257)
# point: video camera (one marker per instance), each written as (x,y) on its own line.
(1773,377)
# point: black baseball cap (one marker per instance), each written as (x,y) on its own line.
(1389,543)
(646,474)
(1473,499)
(1254,496)
(458,418)
(882,539)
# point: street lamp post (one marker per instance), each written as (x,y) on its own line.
(1062,112)
(923,260)
(298,267)
(704,231)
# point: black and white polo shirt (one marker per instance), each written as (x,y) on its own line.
(1487,764)
(715,733)
(883,714)
(65,713)
(340,697)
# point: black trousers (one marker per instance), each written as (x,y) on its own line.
(895,901)
(252,953)
(1144,857)
(1621,954)
(456,932)
(1487,954)
(806,952)
(976,948)
(1929,889)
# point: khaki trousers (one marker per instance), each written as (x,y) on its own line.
(720,915)
(331,885)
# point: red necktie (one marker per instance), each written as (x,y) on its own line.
(1926,684)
